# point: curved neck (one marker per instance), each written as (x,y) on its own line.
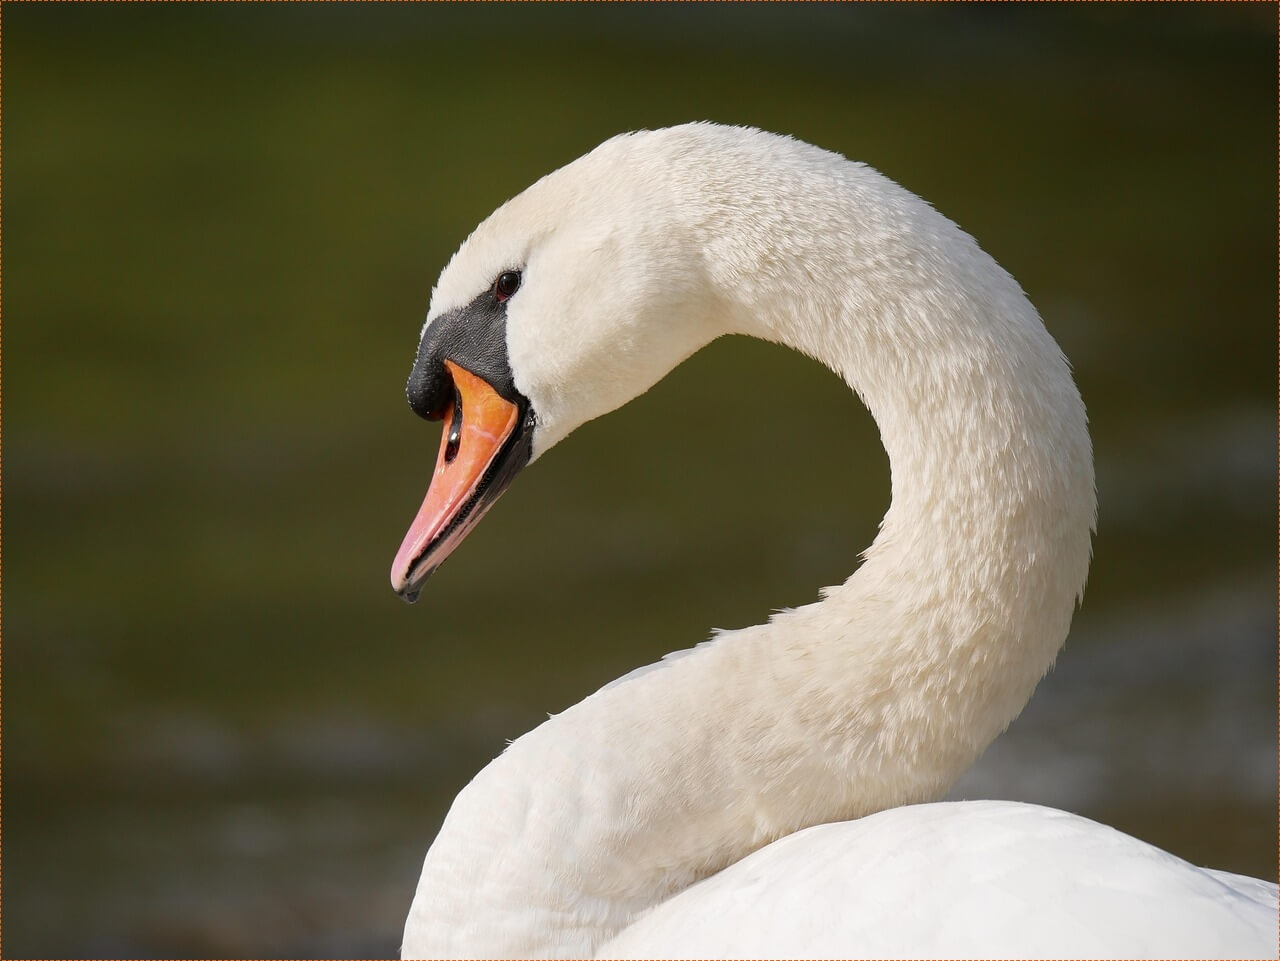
(879,695)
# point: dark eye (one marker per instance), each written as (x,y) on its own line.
(507,284)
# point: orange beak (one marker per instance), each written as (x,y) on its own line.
(468,478)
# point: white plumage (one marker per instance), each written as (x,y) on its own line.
(975,879)
(628,823)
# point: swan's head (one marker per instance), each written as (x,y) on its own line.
(569,300)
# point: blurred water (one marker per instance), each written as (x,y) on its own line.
(224,736)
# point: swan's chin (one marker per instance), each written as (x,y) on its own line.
(484,445)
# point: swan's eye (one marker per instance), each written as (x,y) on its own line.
(508,283)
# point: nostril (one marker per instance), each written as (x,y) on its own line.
(455,430)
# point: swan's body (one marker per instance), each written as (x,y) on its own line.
(592,832)
(975,879)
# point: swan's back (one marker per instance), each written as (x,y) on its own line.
(978,879)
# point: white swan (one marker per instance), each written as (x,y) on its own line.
(593,833)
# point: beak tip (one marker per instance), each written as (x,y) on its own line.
(409,588)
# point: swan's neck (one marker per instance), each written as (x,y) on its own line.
(879,695)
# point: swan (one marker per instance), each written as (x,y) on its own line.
(764,793)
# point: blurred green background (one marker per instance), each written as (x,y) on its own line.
(223,733)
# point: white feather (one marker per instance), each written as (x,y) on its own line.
(976,879)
